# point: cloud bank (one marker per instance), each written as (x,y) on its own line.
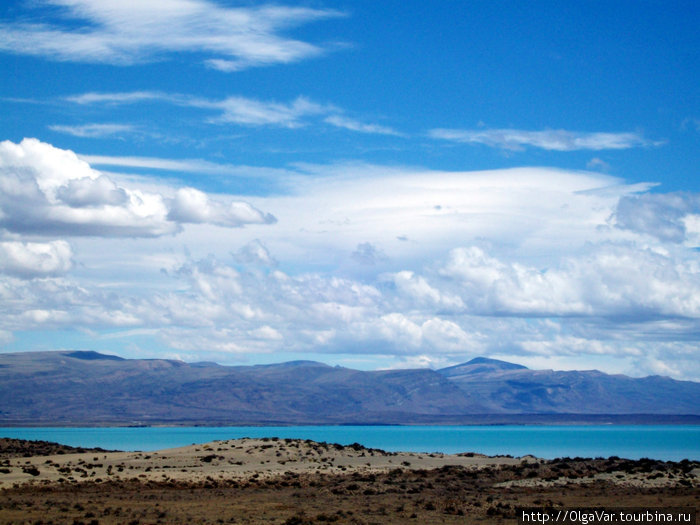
(543,266)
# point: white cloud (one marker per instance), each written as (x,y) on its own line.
(615,281)
(417,290)
(131,97)
(89,192)
(447,337)
(397,331)
(48,190)
(597,163)
(334,209)
(578,346)
(94,130)
(242,110)
(556,139)
(32,259)
(420,361)
(691,222)
(224,310)
(193,206)
(355,125)
(45,190)
(114,32)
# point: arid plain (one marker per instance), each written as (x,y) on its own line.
(289,482)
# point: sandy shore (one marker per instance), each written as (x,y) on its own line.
(293,482)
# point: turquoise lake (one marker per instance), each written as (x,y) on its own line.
(666,442)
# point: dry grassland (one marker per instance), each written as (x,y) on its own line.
(303,482)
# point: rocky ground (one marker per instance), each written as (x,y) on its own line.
(302,482)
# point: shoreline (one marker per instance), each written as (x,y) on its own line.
(662,442)
(563,419)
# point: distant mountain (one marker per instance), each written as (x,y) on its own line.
(93,388)
(505,387)
(479,365)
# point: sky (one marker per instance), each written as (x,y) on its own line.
(384,184)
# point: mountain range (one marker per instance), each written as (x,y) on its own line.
(84,387)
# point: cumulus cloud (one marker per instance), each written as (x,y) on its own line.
(33,259)
(417,290)
(222,310)
(60,303)
(309,312)
(555,139)
(89,192)
(113,32)
(615,281)
(46,190)
(193,206)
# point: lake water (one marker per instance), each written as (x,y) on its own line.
(666,442)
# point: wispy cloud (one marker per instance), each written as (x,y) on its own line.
(94,130)
(199,166)
(597,163)
(183,165)
(355,125)
(248,111)
(124,33)
(233,109)
(131,97)
(690,123)
(245,111)
(554,139)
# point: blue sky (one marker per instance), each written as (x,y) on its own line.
(371,184)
